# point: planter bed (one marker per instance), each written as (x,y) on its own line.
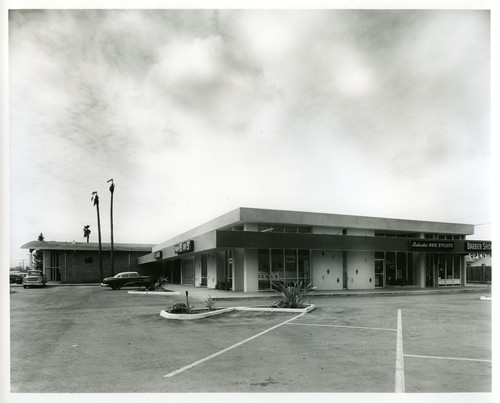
(207,313)
(191,316)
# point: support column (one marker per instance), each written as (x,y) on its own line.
(250,277)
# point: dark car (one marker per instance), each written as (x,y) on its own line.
(34,277)
(16,277)
(129,279)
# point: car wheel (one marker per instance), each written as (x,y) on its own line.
(25,286)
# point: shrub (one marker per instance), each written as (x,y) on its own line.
(223,285)
(292,295)
(180,307)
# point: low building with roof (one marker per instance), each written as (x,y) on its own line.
(78,262)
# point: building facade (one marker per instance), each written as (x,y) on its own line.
(78,262)
(250,249)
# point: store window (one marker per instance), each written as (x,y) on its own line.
(390,267)
(457,264)
(401,268)
(277,269)
(264,269)
(441,269)
(449,269)
(288,267)
(304,267)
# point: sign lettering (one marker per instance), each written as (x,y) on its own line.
(474,255)
(472,246)
(432,245)
(184,247)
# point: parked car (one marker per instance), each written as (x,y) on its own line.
(34,277)
(129,279)
(16,277)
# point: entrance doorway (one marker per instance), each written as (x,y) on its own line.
(203,281)
(379,272)
(344,271)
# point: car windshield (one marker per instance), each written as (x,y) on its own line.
(34,273)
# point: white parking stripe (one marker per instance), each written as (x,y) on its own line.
(445,358)
(400,366)
(194,364)
(342,326)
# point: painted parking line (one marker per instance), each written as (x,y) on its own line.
(343,326)
(445,358)
(194,364)
(399,386)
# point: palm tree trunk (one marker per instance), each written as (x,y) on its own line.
(100,245)
(112,243)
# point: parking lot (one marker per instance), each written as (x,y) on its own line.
(91,339)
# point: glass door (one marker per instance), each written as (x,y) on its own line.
(379,273)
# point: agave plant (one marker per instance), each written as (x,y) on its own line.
(161,283)
(293,295)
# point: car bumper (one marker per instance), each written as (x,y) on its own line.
(104,285)
(33,283)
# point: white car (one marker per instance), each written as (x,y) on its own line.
(34,277)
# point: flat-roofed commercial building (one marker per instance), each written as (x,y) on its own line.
(78,262)
(249,249)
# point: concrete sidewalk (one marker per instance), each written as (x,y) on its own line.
(203,292)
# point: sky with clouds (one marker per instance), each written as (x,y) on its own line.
(194,113)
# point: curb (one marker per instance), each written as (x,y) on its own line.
(193,316)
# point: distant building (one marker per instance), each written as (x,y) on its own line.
(78,262)
(478,267)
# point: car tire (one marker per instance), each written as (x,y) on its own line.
(25,286)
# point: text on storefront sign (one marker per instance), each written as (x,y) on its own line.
(184,247)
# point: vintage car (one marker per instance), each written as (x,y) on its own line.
(34,277)
(129,279)
(16,277)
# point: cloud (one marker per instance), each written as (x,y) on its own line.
(196,112)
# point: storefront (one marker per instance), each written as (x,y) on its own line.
(251,249)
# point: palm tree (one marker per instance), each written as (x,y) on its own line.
(95,199)
(112,190)
(86,232)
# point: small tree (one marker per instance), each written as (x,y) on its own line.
(38,256)
(86,232)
